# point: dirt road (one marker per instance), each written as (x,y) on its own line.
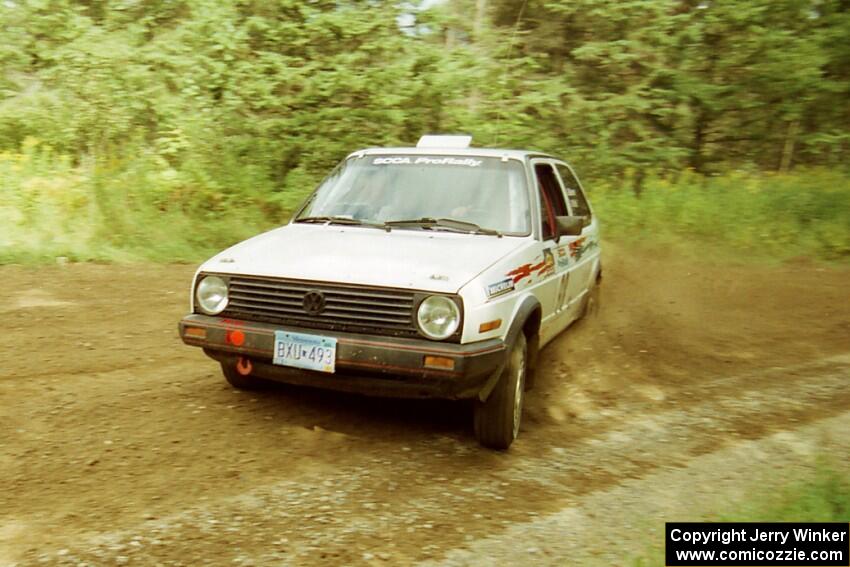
(119,445)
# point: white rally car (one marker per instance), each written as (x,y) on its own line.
(434,271)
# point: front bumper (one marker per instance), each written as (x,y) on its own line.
(367,364)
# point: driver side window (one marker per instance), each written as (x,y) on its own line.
(552,203)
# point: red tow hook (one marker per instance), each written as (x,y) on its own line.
(244,366)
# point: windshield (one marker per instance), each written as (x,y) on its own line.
(486,191)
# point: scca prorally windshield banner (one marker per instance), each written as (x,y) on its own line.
(425,160)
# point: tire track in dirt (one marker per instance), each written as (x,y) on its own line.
(342,513)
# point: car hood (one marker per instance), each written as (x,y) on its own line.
(414,259)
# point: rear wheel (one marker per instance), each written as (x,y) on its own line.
(592,299)
(238,380)
(498,419)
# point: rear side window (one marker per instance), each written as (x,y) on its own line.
(551,198)
(578,203)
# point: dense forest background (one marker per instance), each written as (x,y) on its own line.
(166,128)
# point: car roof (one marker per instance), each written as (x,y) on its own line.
(480,152)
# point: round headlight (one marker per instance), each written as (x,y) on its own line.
(438,317)
(212,295)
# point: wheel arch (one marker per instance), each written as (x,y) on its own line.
(527,318)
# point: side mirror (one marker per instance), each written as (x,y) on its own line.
(569,226)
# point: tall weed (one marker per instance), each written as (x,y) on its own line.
(806,213)
(138,206)
(120,209)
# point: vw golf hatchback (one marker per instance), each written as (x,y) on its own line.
(439,270)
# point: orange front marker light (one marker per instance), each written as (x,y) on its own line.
(442,362)
(196,332)
(489,326)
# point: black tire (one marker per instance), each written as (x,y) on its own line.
(239,381)
(592,300)
(498,419)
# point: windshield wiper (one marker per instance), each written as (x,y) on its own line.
(451,224)
(339,220)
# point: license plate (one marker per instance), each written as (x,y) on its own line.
(310,352)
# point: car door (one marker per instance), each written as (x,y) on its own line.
(553,284)
(582,251)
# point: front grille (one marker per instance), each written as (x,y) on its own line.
(347,308)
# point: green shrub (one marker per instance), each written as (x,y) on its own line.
(121,209)
(138,206)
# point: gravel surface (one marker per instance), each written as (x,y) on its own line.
(122,446)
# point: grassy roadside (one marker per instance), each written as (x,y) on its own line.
(113,210)
(761,215)
(824,496)
(119,210)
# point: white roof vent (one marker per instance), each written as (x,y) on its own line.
(444,142)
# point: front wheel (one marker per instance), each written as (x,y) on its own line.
(497,420)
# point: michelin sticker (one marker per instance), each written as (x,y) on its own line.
(500,288)
(424,160)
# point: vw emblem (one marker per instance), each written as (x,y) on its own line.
(314,302)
